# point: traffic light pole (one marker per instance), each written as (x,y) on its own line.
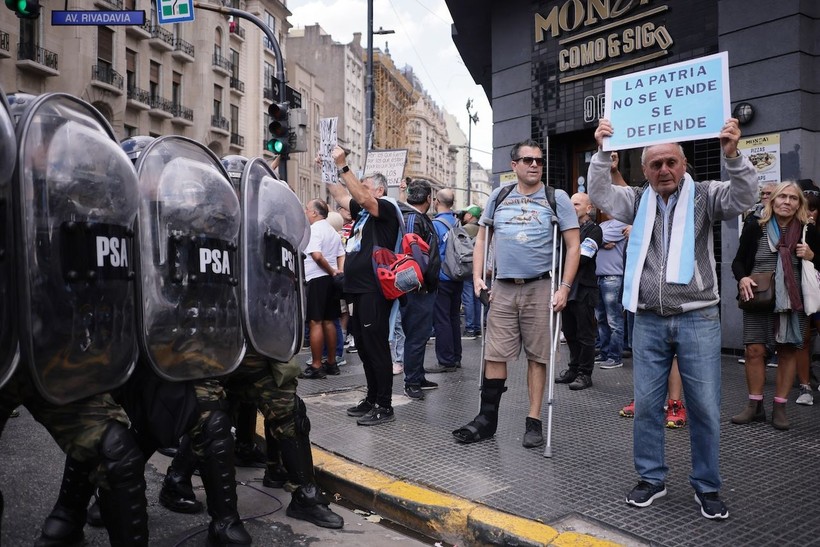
(280,63)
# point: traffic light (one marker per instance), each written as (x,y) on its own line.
(279,129)
(25,9)
(298,124)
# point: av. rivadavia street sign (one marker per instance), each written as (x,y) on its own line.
(108,18)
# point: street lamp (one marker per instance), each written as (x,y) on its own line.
(472,117)
(370,97)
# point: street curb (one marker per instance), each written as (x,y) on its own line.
(436,514)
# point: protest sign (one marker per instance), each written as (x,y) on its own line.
(327,141)
(764,153)
(389,163)
(680,102)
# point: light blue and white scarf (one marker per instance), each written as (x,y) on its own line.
(680,264)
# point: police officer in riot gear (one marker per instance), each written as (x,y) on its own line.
(75,195)
(274,228)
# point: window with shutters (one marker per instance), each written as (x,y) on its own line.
(218,101)
(234,119)
(130,69)
(217,42)
(234,64)
(105,48)
(176,89)
(154,88)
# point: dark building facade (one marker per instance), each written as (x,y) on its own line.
(543,65)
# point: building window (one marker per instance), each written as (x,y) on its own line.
(105,48)
(176,89)
(130,69)
(130,131)
(153,79)
(234,119)
(218,101)
(270,20)
(218,42)
(234,64)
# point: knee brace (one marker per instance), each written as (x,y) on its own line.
(216,435)
(120,457)
(300,417)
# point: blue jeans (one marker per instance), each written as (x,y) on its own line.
(472,307)
(610,317)
(397,343)
(695,337)
(417,318)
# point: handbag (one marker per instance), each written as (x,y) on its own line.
(809,284)
(763,295)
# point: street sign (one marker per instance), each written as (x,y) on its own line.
(175,11)
(108,18)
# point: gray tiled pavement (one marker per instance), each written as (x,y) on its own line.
(768,474)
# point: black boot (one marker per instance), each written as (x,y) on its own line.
(484,425)
(94,517)
(307,502)
(276,476)
(219,478)
(64,525)
(122,503)
(177,493)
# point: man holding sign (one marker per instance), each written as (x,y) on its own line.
(671,285)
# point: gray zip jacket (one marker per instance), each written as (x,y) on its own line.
(714,200)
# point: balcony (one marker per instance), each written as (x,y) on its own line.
(220,124)
(161,39)
(33,58)
(106,5)
(5,43)
(138,98)
(236,31)
(105,77)
(160,108)
(140,32)
(237,141)
(182,115)
(237,86)
(221,65)
(183,51)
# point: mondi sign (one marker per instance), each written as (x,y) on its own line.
(596,35)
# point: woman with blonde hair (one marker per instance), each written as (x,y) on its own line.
(775,245)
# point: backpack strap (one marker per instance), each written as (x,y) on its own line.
(397,246)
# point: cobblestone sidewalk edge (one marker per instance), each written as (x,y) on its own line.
(436,514)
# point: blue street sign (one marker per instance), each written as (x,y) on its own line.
(108,18)
(175,11)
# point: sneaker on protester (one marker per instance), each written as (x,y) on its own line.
(805,397)
(340,360)
(629,410)
(711,505)
(610,363)
(645,493)
(398,368)
(675,414)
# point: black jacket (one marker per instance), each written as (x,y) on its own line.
(420,224)
(750,236)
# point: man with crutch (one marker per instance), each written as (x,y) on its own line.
(522,218)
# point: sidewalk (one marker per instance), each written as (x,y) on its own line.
(413,471)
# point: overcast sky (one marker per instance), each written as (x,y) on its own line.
(422,40)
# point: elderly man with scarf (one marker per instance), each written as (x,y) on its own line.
(671,285)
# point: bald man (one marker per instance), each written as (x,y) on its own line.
(579,315)
(447,311)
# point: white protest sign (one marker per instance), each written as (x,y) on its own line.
(680,102)
(389,163)
(764,153)
(327,141)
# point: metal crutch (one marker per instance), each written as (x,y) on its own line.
(555,331)
(483,311)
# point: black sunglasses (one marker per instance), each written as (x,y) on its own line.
(528,160)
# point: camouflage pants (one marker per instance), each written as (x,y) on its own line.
(272,386)
(210,395)
(77,427)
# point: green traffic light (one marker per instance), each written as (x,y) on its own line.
(275,145)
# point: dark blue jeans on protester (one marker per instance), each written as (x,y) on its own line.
(447,320)
(472,307)
(416,319)
(610,317)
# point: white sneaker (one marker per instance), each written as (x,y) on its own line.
(398,368)
(742,360)
(805,397)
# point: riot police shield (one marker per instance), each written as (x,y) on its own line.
(187,231)
(75,199)
(273,231)
(9,347)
